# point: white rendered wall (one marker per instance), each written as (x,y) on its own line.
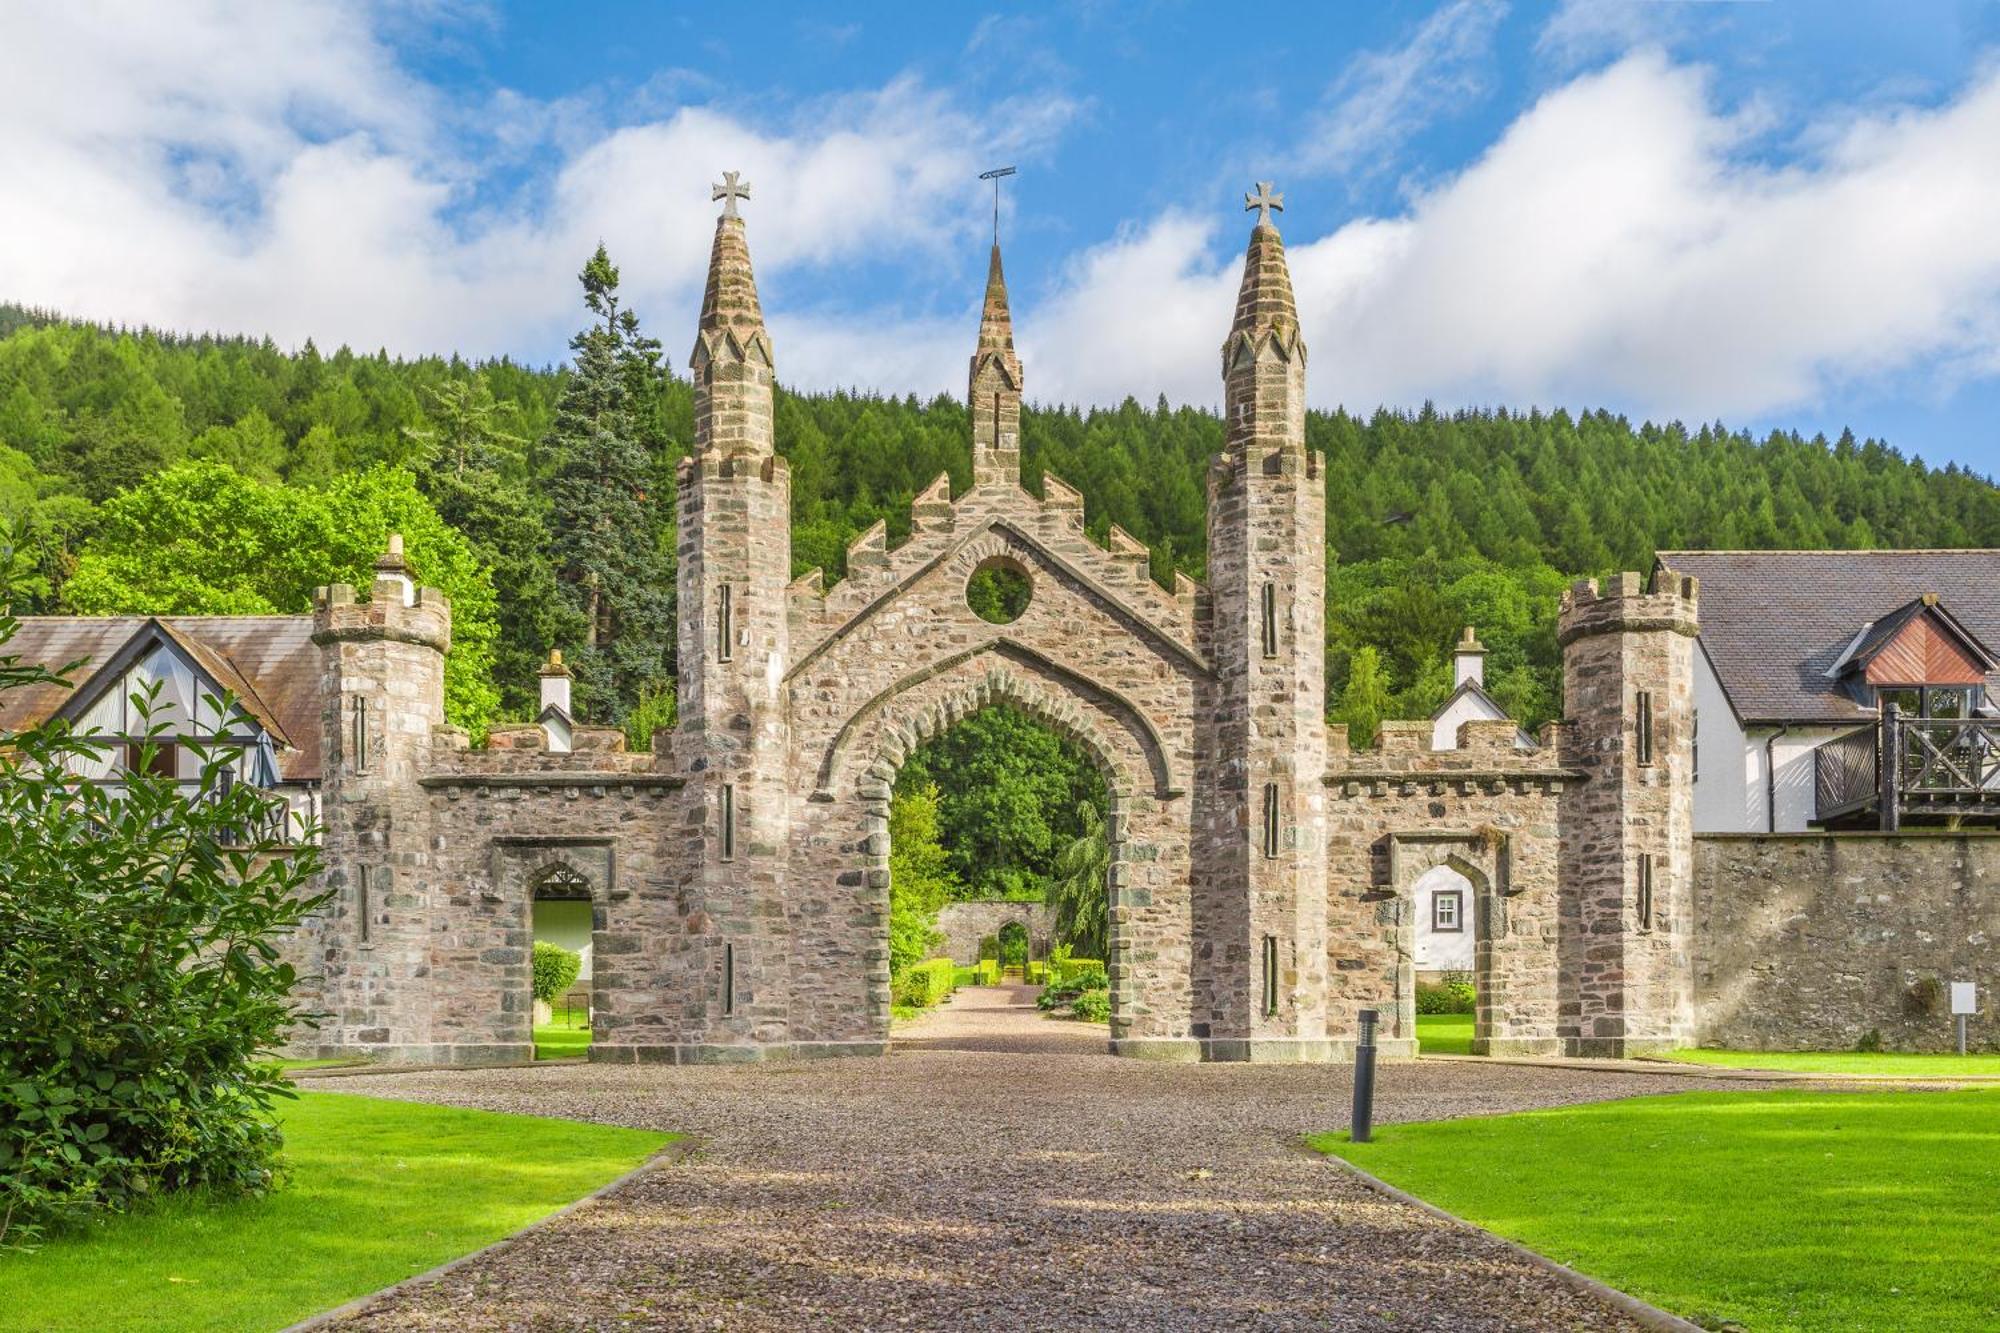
(1730,792)
(1465,708)
(1437,950)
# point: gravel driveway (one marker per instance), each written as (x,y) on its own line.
(1002,1174)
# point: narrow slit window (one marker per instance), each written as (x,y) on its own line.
(1270,975)
(1694,743)
(725,628)
(728,822)
(358,733)
(1270,819)
(728,979)
(1644,743)
(364,907)
(1270,620)
(1645,892)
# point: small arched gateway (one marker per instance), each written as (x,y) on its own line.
(1259,870)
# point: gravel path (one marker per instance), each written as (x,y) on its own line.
(1003,1174)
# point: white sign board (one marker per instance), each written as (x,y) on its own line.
(1964,998)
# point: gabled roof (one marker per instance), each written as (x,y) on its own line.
(268,662)
(1884,633)
(1775,623)
(1472,689)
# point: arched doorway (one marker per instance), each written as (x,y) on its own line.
(1149,968)
(562,919)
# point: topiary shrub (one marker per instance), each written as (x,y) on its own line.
(139,934)
(556,970)
(1082,973)
(925,984)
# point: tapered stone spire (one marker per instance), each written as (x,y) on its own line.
(1264,358)
(731,360)
(994,389)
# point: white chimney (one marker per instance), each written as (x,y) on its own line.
(555,681)
(1468,660)
(391,568)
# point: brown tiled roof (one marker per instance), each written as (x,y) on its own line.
(268,662)
(1774,622)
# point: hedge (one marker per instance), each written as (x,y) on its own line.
(927,983)
(1076,969)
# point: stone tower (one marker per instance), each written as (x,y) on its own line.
(735,560)
(382,692)
(1267,526)
(993,393)
(1626,923)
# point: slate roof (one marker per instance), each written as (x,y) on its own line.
(269,662)
(1774,622)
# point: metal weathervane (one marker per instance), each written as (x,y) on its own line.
(996,176)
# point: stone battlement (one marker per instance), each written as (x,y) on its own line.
(338,614)
(1628,603)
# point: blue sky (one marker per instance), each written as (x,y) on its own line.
(1770,214)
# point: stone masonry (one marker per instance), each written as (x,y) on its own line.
(1261,873)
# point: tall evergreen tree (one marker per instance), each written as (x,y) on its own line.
(611,543)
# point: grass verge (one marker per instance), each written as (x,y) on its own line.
(380,1191)
(565,1035)
(1444,1034)
(1881,1063)
(1772,1211)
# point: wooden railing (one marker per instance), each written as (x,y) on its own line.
(1844,774)
(1927,766)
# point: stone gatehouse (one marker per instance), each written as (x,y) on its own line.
(1261,872)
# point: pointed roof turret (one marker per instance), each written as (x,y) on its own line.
(730,310)
(996,328)
(1264,304)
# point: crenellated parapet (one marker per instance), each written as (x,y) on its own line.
(1629,604)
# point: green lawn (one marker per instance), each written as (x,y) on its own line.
(1849,1062)
(562,1037)
(380,1190)
(1444,1034)
(1778,1211)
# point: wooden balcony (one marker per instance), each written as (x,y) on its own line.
(1924,768)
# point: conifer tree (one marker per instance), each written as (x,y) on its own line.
(610,539)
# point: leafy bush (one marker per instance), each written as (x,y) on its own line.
(144,988)
(1092,1006)
(989,947)
(926,984)
(556,970)
(1455,994)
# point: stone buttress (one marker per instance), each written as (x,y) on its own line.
(735,562)
(1627,978)
(1263,895)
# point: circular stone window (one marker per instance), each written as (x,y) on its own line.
(999,590)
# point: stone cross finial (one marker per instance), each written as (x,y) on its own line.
(730,191)
(1264,201)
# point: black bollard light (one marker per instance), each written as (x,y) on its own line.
(1361,1125)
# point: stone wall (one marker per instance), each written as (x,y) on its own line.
(1815,940)
(965,924)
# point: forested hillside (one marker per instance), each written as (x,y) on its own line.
(146,471)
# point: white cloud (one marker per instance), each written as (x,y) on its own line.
(1384,97)
(1584,30)
(269,168)
(1626,240)
(1617,244)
